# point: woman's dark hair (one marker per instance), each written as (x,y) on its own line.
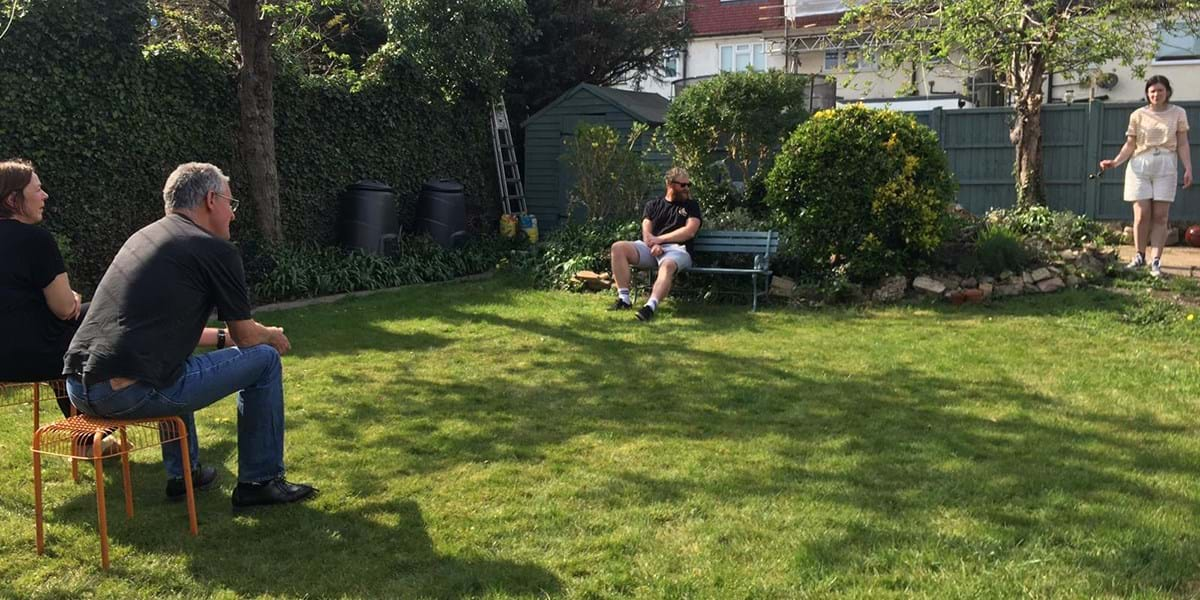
(15,174)
(1158,79)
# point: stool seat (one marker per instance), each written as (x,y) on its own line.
(65,438)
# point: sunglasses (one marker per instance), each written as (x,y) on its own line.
(233,202)
(683,184)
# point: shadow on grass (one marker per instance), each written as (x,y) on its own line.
(372,549)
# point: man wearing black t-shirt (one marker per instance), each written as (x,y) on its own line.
(668,226)
(132,356)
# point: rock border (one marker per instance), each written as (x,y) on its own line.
(1070,268)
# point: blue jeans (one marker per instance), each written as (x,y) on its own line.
(255,373)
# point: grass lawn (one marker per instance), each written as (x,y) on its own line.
(485,440)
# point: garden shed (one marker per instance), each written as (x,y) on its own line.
(548,180)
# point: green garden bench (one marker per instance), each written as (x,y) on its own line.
(758,244)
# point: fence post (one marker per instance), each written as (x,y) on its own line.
(935,123)
(1094,143)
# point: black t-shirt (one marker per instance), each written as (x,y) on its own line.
(32,338)
(153,302)
(666,216)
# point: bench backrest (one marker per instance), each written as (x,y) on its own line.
(764,243)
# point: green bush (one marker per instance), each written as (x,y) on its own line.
(577,247)
(105,124)
(863,190)
(730,127)
(611,179)
(287,272)
(999,248)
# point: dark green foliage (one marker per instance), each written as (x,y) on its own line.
(577,247)
(738,219)
(1061,229)
(729,128)
(999,248)
(304,271)
(105,125)
(464,45)
(865,188)
(393,127)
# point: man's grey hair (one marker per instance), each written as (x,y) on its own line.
(189,184)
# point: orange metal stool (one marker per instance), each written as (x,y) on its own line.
(63,437)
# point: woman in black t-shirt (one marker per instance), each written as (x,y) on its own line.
(39,312)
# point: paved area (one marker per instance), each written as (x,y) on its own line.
(1176,260)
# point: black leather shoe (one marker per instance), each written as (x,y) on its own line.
(275,491)
(202,479)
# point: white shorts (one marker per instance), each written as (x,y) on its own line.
(1151,175)
(674,252)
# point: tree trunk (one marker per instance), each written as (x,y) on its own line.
(1026,132)
(256,131)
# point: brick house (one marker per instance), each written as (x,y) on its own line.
(792,35)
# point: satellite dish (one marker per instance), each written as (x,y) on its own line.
(1107,81)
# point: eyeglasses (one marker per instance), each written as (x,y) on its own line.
(682,184)
(233,202)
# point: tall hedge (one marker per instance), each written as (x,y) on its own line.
(105,124)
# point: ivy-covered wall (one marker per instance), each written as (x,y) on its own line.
(105,125)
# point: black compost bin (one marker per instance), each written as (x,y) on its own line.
(367,217)
(442,212)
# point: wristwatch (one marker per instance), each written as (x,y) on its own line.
(220,339)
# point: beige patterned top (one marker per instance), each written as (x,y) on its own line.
(1152,129)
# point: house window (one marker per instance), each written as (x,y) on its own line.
(743,57)
(1178,46)
(837,59)
(671,64)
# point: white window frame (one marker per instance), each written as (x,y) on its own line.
(754,52)
(671,65)
(1179,59)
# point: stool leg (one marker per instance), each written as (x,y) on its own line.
(100,508)
(125,477)
(37,491)
(37,406)
(187,474)
(74,463)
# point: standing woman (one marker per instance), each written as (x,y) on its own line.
(39,312)
(1157,133)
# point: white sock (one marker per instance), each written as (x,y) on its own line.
(653,304)
(623,294)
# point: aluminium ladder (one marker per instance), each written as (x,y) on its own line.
(512,191)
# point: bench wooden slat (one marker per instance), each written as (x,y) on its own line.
(736,248)
(736,234)
(728,270)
